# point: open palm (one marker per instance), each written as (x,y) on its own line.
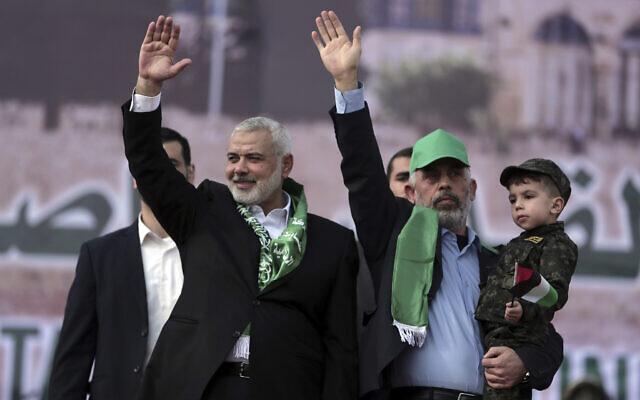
(339,55)
(158,49)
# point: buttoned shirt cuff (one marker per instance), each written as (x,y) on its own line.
(350,101)
(141,103)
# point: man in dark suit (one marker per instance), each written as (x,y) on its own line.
(268,304)
(441,359)
(125,286)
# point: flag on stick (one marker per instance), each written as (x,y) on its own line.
(531,286)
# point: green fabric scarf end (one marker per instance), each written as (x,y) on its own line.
(413,271)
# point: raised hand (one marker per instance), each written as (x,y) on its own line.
(156,56)
(339,55)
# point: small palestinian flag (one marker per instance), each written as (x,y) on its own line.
(531,286)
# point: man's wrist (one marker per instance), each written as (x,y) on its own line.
(347,82)
(148,87)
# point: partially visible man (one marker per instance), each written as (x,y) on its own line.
(398,172)
(125,287)
(268,304)
(423,341)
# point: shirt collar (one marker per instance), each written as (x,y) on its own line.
(474,239)
(144,232)
(283,212)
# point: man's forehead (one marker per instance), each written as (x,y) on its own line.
(400,164)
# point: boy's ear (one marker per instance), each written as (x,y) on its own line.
(557,206)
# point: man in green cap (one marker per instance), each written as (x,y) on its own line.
(425,262)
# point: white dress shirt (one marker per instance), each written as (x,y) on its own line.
(163,279)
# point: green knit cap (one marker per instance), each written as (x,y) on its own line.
(436,145)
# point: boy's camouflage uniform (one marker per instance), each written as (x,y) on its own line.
(548,250)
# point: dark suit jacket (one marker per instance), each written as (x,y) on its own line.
(303,333)
(379,218)
(106,319)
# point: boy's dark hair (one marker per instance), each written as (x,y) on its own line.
(169,135)
(520,177)
(406,152)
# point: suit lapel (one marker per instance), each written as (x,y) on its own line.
(242,240)
(279,282)
(249,255)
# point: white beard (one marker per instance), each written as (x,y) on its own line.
(261,191)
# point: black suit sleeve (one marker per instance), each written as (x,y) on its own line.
(374,208)
(543,364)
(77,344)
(340,338)
(171,197)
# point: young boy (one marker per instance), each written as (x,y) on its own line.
(538,192)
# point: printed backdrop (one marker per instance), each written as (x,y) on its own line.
(514,79)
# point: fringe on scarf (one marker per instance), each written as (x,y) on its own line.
(241,349)
(412,335)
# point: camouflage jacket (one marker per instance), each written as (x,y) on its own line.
(548,250)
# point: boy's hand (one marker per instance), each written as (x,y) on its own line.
(513,313)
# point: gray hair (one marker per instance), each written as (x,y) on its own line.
(279,134)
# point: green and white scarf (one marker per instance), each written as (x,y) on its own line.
(280,256)
(412,275)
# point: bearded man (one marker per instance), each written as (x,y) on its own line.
(422,342)
(267,308)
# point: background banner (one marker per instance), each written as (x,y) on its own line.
(514,79)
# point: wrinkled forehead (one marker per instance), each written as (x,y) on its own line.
(258,141)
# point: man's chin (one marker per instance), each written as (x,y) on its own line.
(242,195)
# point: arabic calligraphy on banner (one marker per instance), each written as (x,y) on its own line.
(30,230)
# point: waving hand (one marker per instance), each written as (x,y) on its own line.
(339,54)
(156,62)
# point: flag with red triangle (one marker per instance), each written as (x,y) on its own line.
(529,285)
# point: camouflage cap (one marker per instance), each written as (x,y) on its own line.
(434,146)
(541,166)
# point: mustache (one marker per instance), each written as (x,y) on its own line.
(441,196)
(243,178)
